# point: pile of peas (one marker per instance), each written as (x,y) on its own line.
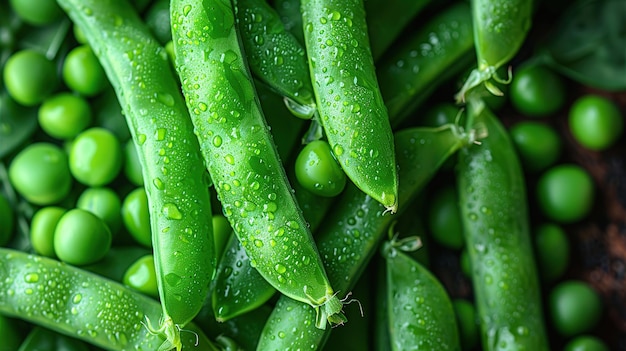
(76,197)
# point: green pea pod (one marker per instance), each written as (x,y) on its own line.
(289,12)
(351,232)
(386,20)
(492,199)
(419,309)
(241,156)
(349,101)
(82,305)
(238,287)
(44,339)
(275,56)
(500,28)
(174,174)
(441,48)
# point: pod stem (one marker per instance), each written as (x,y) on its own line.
(331,311)
(171,332)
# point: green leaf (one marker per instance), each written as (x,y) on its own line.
(588,44)
(17,123)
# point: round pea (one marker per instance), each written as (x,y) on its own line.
(40,173)
(141,276)
(595,122)
(444,219)
(132,166)
(81,238)
(29,77)
(465,263)
(537,91)
(104,203)
(575,307)
(7,218)
(318,171)
(95,157)
(42,228)
(553,250)
(586,343)
(64,115)
(82,71)
(157,18)
(466,317)
(538,144)
(441,114)
(565,193)
(136,216)
(37,12)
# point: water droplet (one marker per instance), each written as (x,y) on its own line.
(158,183)
(31,278)
(173,279)
(186,10)
(141,139)
(229,159)
(77,298)
(171,211)
(280,269)
(338,149)
(165,98)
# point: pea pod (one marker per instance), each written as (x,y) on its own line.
(420,310)
(275,56)
(416,67)
(44,339)
(351,232)
(500,28)
(83,305)
(174,175)
(241,156)
(349,101)
(492,198)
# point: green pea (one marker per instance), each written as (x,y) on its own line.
(444,219)
(37,12)
(565,193)
(64,115)
(141,276)
(81,238)
(538,144)
(104,203)
(41,174)
(586,343)
(95,157)
(7,219)
(595,122)
(157,18)
(221,233)
(132,166)
(42,228)
(29,77)
(136,216)
(465,263)
(575,307)
(82,71)
(318,171)
(537,91)
(553,251)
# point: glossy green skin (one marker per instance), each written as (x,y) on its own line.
(82,71)
(275,56)
(420,312)
(136,216)
(104,203)
(95,157)
(142,277)
(575,307)
(388,21)
(81,238)
(241,156)
(29,77)
(500,28)
(77,303)
(42,226)
(492,198)
(438,50)
(352,231)
(44,339)
(349,101)
(64,115)
(318,171)
(40,173)
(174,174)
